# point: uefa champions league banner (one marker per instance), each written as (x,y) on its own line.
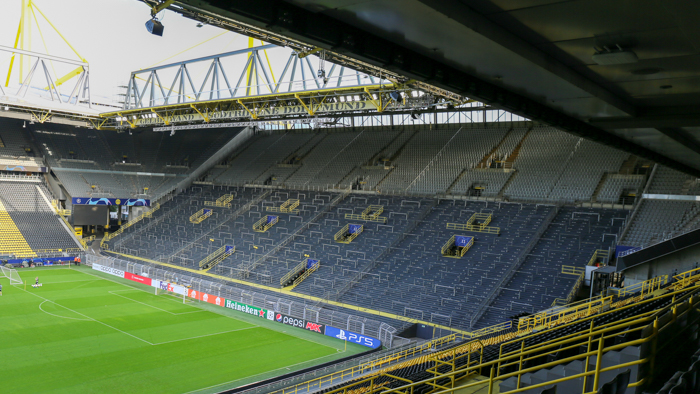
(108,270)
(135,202)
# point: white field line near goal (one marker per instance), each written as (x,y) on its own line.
(62,317)
(88,317)
(261,373)
(206,335)
(155,307)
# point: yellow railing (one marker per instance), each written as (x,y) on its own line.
(374,365)
(343,237)
(292,272)
(686,278)
(473,227)
(288,206)
(549,318)
(219,254)
(352,216)
(221,202)
(571,270)
(200,216)
(305,275)
(644,288)
(594,339)
(485,219)
(461,250)
(599,253)
(572,294)
(373,211)
(264,224)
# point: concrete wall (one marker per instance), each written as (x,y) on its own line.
(679,261)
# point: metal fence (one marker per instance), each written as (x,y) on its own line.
(295,308)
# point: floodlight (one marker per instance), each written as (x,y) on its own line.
(396,96)
(154,27)
(415,115)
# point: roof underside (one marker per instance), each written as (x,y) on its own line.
(532,57)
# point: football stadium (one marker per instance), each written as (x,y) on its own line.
(350,197)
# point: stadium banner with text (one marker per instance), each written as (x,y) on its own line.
(320,109)
(251,310)
(137,278)
(108,270)
(42,260)
(135,202)
(300,323)
(23,168)
(350,336)
(173,288)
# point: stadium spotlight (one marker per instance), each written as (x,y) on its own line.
(154,27)
(24,125)
(396,96)
(415,115)
(200,24)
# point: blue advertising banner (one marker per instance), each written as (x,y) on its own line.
(354,228)
(353,337)
(625,250)
(136,202)
(462,241)
(310,263)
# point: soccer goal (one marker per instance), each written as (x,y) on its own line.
(185,300)
(11,274)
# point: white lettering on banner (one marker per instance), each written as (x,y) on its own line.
(277,111)
(177,289)
(108,270)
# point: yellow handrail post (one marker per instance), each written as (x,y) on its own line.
(599,359)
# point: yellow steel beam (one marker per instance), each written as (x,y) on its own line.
(262,97)
(12,59)
(157,114)
(304,105)
(68,76)
(302,55)
(59,33)
(203,115)
(252,115)
(160,7)
(126,118)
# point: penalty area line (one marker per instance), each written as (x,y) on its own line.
(90,318)
(155,307)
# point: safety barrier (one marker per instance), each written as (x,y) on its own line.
(572,294)
(597,340)
(218,256)
(371,213)
(288,206)
(481,227)
(457,253)
(599,253)
(644,288)
(305,275)
(343,236)
(200,216)
(571,270)
(221,202)
(265,223)
(686,278)
(292,272)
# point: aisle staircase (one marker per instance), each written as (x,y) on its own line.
(218,256)
(11,239)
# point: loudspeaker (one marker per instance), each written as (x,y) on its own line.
(154,27)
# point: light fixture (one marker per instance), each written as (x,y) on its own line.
(610,57)
(200,24)
(415,115)
(396,96)
(154,27)
(24,125)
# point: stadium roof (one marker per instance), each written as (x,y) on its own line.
(534,57)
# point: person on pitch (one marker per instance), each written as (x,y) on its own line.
(0,289)
(37,281)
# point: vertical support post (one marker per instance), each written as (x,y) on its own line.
(599,359)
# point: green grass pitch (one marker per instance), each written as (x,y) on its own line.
(87,332)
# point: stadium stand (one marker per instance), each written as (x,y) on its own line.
(29,221)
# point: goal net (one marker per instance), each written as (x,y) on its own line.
(11,274)
(159,291)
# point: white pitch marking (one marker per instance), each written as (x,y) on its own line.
(95,320)
(62,317)
(205,335)
(155,307)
